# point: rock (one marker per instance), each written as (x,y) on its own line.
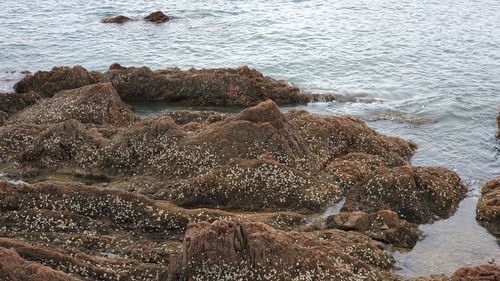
(118,19)
(3,117)
(94,104)
(15,268)
(488,207)
(417,194)
(242,86)
(477,273)
(59,78)
(157,17)
(184,117)
(384,226)
(11,103)
(255,185)
(238,249)
(93,233)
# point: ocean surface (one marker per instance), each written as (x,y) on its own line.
(427,70)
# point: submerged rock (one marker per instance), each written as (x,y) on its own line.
(15,268)
(244,250)
(94,104)
(157,17)
(417,194)
(384,226)
(488,207)
(49,83)
(118,19)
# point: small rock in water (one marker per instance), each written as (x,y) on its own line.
(157,17)
(117,19)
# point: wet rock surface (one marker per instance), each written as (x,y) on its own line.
(476,273)
(157,17)
(118,19)
(488,207)
(228,250)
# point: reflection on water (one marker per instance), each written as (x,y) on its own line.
(449,244)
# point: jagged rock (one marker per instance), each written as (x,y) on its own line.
(15,268)
(11,103)
(59,78)
(384,226)
(118,19)
(417,194)
(157,17)
(244,250)
(94,104)
(488,207)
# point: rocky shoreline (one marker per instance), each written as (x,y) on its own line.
(197,195)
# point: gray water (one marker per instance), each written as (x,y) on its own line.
(425,70)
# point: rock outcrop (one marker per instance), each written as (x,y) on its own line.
(118,19)
(51,82)
(232,250)
(11,103)
(488,207)
(384,226)
(15,268)
(97,104)
(157,17)
(476,273)
(417,194)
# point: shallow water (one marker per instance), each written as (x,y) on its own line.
(425,70)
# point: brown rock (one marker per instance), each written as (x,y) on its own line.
(3,117)
(118,19)
(59,78)
(384,226)
(488,207)
(228,250)
(15,268)
(157,17)
(94,104)
(242,86)
(417,194)
(11,103)
(477,273)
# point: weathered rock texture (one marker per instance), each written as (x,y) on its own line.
(476,273)
(157,17)
(11,103)
(244,250)
(15,268)
(94,104)
(488,207)
(383,226)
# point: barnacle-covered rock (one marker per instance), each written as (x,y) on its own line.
(15,268)
(97,234)
(94,104)
(255,185)
(3,117)
(59,78)
(488,207)
(417,194)
(477,273)
(384,226)
(245,250)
